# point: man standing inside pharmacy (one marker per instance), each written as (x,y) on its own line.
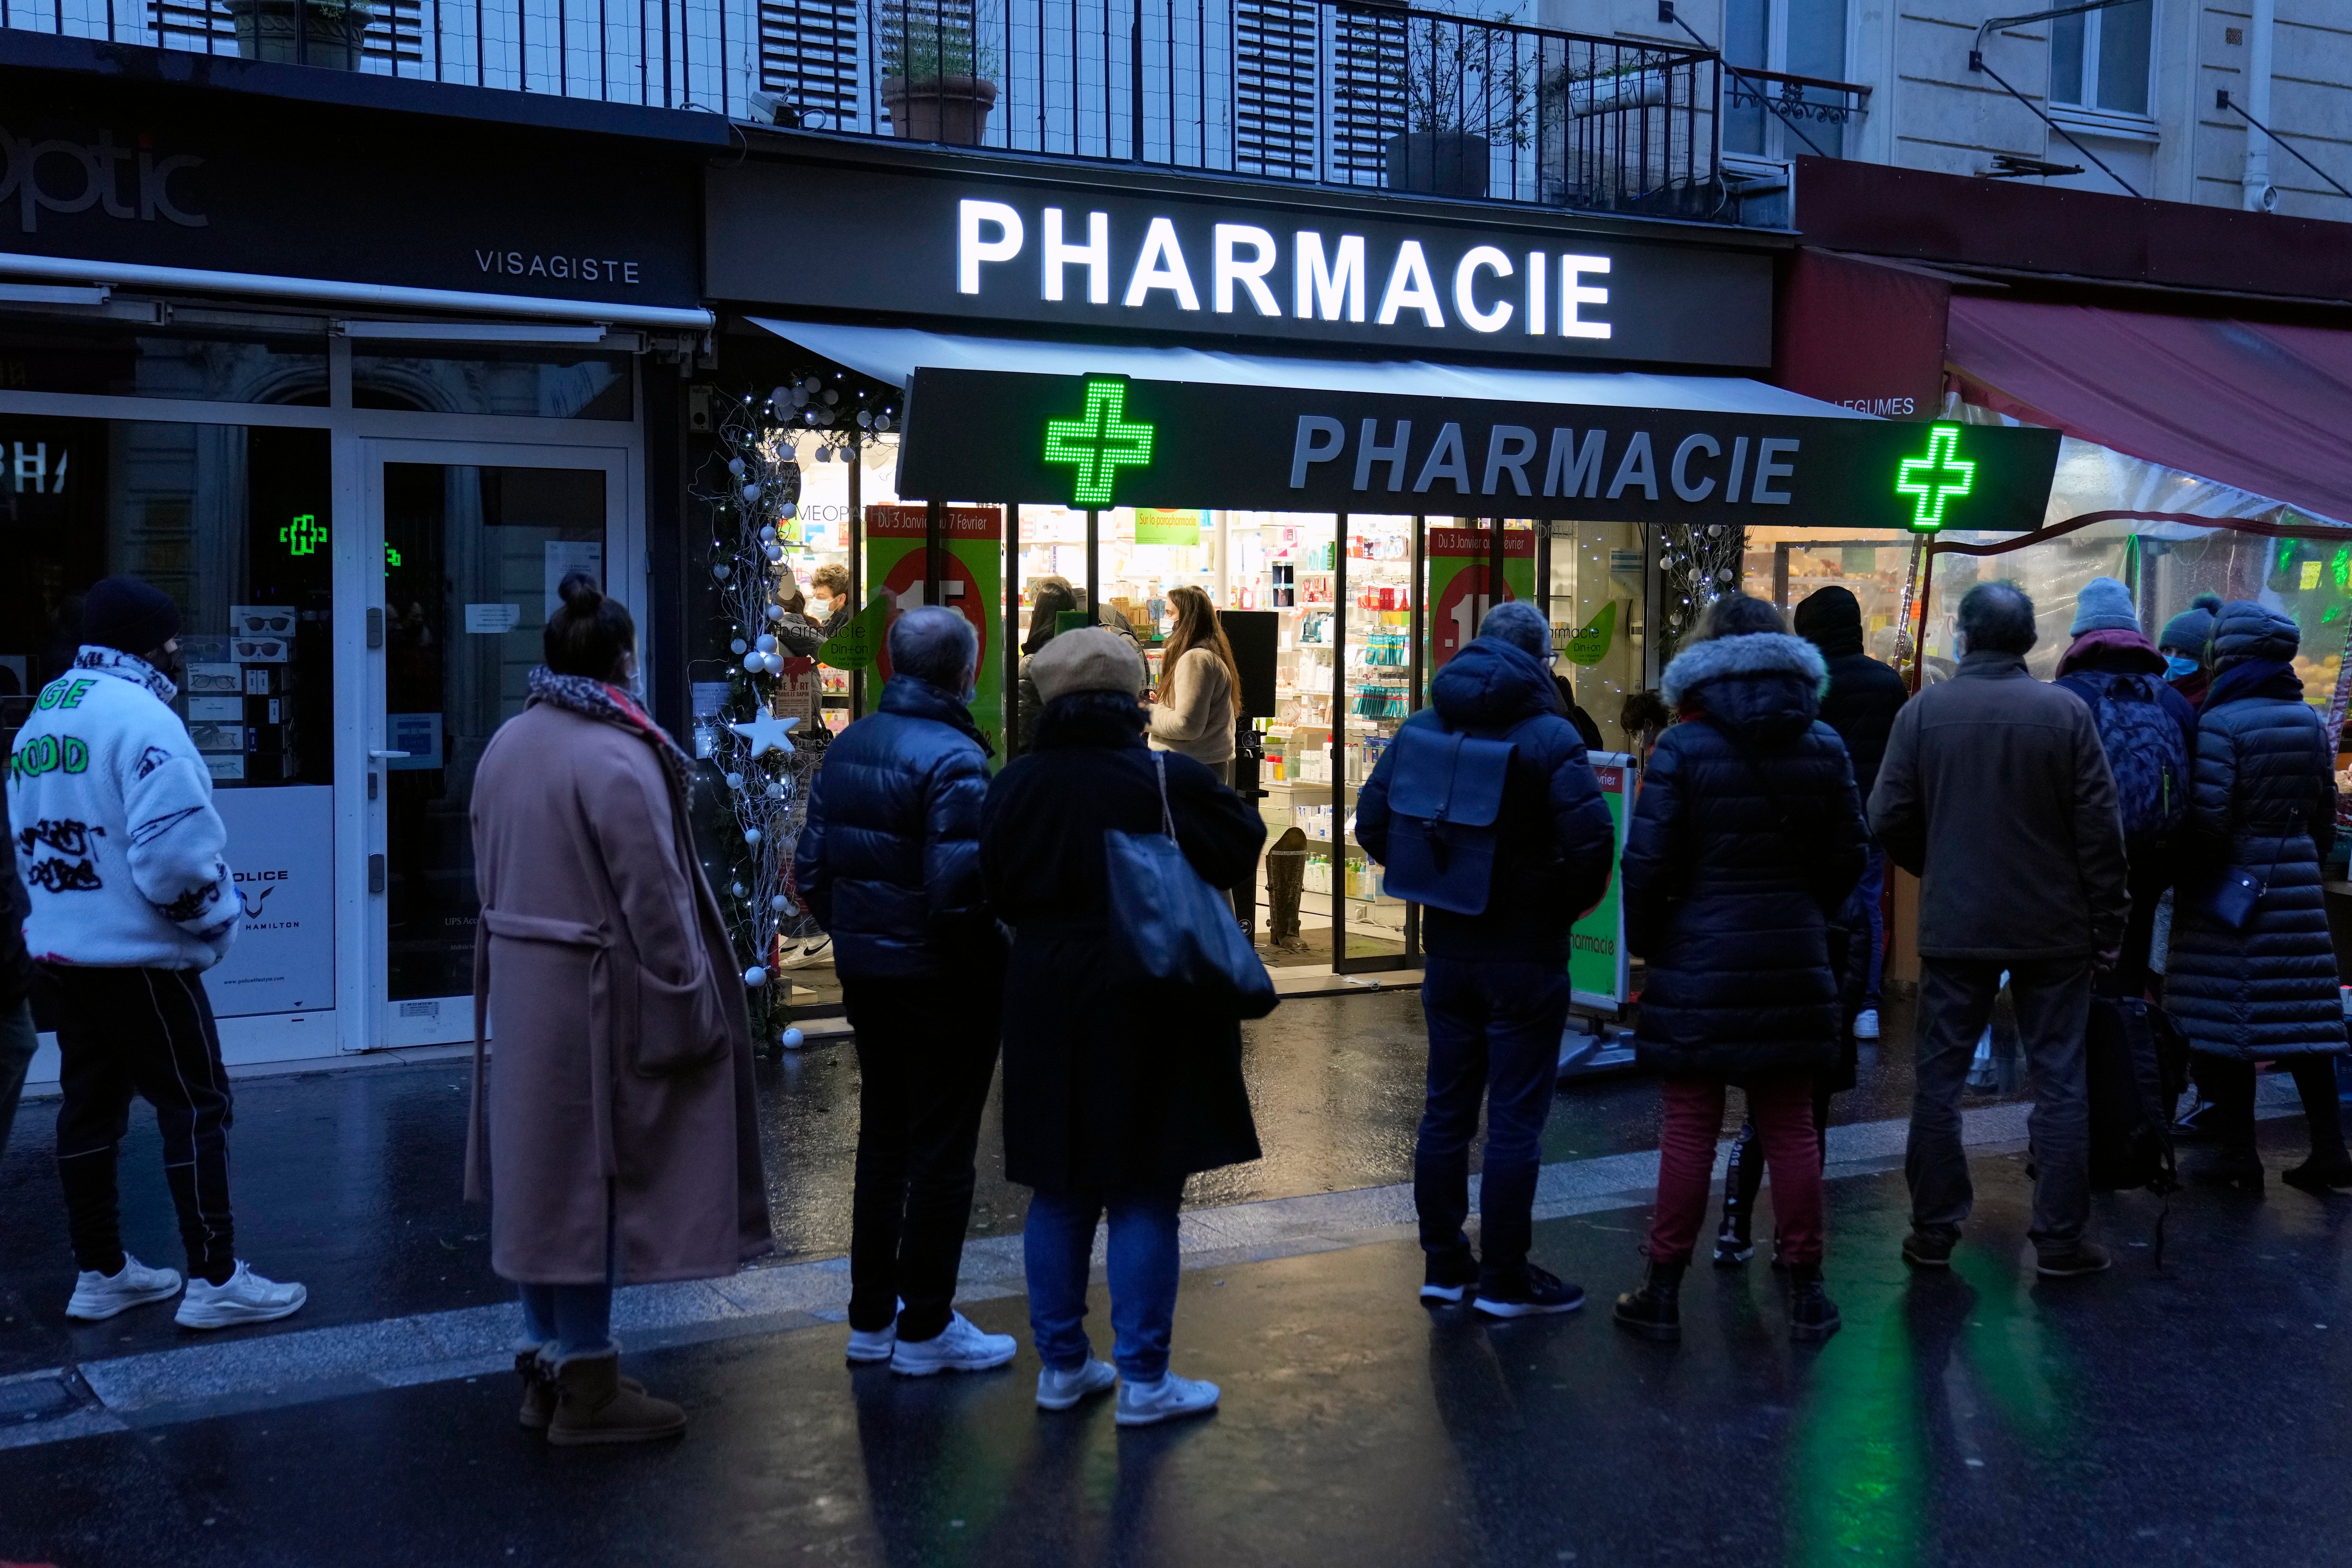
(123,855)
(1495,986)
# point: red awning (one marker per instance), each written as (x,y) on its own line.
(2266,408)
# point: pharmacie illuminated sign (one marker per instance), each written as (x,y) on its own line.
(1207,260)
(1099,441)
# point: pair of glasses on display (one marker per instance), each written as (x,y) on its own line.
(261,650)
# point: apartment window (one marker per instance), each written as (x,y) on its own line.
(2099,59)
(1792,37)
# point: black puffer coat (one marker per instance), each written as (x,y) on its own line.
(1102,1090)
(2265,802)
(1746,841)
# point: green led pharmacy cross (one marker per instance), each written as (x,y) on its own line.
(1935,478)
(391,559)
(1100,444)
(303,535)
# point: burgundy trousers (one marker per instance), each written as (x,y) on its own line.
(1782,1112)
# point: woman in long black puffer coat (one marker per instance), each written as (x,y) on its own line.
(1110,1099)
(2264,804)
(1745,843)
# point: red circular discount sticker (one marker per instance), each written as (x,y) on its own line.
(904,584)
(1461,605)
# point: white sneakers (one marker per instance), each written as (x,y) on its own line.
(1059,1390)
(245,1298)
(816,950)
(1170,1399)
(98,1297)
(959,1347)
(1865,1024)
(868,1346)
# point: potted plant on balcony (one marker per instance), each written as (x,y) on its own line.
(937,66)
(326,33)
(1466,85)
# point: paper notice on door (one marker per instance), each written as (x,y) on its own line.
(565,556)
(493,618)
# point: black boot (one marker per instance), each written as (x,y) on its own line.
(2330,1166)
(1813,1316)
(1655,1311)
(1743,1177)
(2233,1163)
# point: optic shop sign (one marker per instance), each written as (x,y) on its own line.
(1099,441)
(1089,259)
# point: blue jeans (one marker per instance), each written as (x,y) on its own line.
(1493,1035)
(577,1318)
(1866,916)
(1059,1240)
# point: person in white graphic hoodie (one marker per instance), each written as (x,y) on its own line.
(123,859)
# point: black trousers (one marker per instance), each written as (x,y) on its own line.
(926,1051)
(149,1033)
(2229,1084)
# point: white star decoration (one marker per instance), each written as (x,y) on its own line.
(766,732)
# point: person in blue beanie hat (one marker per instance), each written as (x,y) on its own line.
(1495,986)
(2149,733)
(2187,644)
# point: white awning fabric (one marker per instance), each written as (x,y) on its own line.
(893,354)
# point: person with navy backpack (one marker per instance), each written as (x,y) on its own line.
(1745,846)
(2149,731)
(1486,812)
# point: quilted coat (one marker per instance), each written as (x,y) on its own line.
(2265,803)
(889,857)
(1746,841)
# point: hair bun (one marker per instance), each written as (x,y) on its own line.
(580,592)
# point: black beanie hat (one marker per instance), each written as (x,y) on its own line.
(126,614)
(1827,612)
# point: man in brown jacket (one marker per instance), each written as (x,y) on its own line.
(1995,793)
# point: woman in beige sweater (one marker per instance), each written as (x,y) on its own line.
(1192,710)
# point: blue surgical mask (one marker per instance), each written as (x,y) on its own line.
(2179,669)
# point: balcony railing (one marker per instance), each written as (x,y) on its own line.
(1345,93)
(1798,113)
(1333,92)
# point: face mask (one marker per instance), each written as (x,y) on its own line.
(2179,669)
(635,684)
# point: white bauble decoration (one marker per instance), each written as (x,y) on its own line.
(831,396)
(738,645)
(788,511)
(766,644)
(735,467)
(779,395)
(751,836)
(865,420)
(775,555)
(882,423)
(739,890)
(780,903)
(775,789)
(755,977)
(767,533)
(812,386)
(721,570)
(750,493)
(775,611)
(735,780)
(791,1040)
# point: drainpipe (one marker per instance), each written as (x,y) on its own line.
(2256,193)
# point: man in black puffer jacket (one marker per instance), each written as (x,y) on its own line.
(889,863)
(1861,704)
(1495,986)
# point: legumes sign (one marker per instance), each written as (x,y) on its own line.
(1108,441)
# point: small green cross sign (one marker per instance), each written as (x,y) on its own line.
(1100,444)
(1938,477)
(303,535)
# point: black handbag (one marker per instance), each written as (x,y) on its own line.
(2232,901)
(1169,928)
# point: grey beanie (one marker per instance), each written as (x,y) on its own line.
(1087,659)
(1521,625)
(2105,604)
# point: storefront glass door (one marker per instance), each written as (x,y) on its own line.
(474,544)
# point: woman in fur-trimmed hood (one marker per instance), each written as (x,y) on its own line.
(1746,840)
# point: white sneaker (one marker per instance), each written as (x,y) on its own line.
(816,950)
(246,1297)
(98,1297)
(1171,1398)
(868,1346)
(1059,1390)
(1865,1024)
(959,1347)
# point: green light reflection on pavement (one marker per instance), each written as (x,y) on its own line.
(1857,1482)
